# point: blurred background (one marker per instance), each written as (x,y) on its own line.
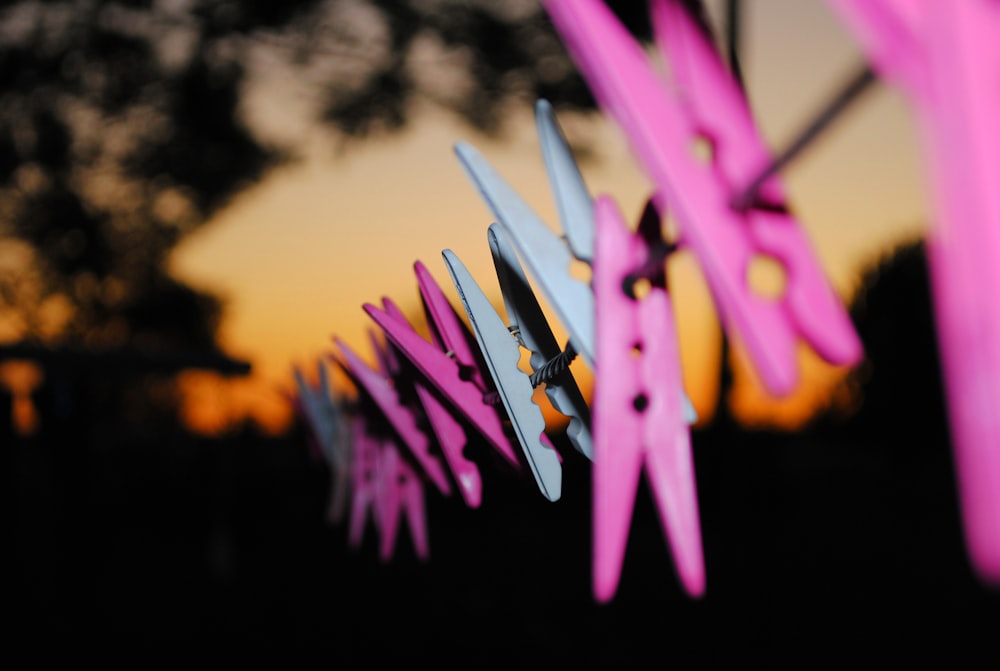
(195,196)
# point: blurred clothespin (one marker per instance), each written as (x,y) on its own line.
(664,121)
(945,57)
(378,387)
(399,492)
(364,480)
(331,430)
(449,364)
(503,355)
(638,405)
(385,488)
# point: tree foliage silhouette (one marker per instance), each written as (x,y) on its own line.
(897,389)
(123,128)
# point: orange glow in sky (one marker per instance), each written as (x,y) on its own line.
(297,256)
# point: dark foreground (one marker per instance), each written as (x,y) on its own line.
(825,545)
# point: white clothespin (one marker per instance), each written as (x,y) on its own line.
(502,355)
(547,255)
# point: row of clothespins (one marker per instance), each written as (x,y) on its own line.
(432,391)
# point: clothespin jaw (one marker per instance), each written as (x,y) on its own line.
(451,436)
(549,363)
(661,127)
(449,371)
(946,58)
(378,388)
(502,355)
(638,408)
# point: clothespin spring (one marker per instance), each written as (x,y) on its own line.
(552,368)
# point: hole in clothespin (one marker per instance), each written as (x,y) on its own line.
(580,271)
(703,148)
(766,276)
(640,402)
(638,288)
(637,350)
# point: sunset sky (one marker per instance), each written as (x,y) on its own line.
(297,256)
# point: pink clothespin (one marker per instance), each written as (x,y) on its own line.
(638,406)
(945,57)
(449,363)
(377,386)
(385,488)
(450,433)
(662,121)
(364,482)
(385,485)
(398,492)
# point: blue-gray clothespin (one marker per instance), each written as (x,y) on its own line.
(547,255)
(331,429)
(549,363)
(502,355)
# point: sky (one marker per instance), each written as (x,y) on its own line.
(297,256)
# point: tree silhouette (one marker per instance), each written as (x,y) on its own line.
(123,127)
(115,145)
(897,390)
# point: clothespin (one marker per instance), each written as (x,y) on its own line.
(331,430)
(662,123)
(945,57)
(386,485)
(450,433)
(379,389)
(638,406)
(385,488)
(547,255)
(451,366)
(503,355)
(549,363)
(364,482)
(399,492)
